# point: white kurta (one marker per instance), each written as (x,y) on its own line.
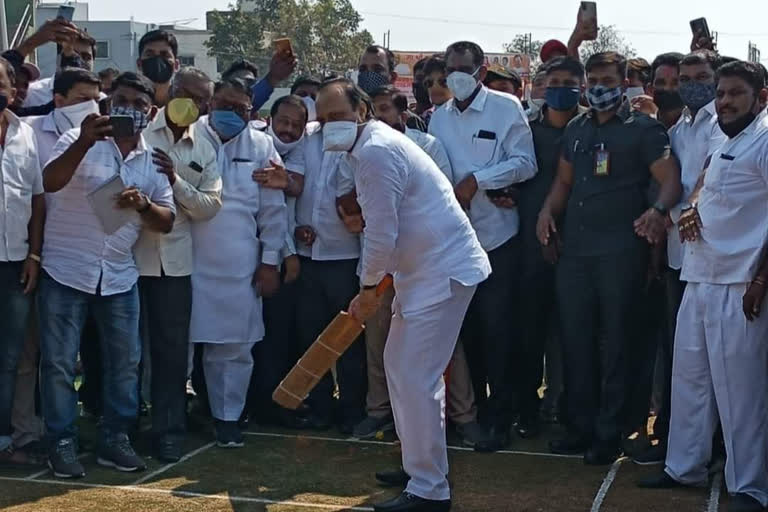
(250,229)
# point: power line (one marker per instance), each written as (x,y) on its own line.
(541,27)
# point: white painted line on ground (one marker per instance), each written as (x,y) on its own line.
(713,504)
(188,494)
(47,470)
(165,468)
(607,482)
(387,443)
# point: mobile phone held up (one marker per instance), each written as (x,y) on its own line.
(700,28)
(65,12)
(283,46)
(122,126)
(588,15)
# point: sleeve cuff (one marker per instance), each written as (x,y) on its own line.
(371,280)
(271,258)
(675,213)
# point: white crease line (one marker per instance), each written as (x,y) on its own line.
(713,504)
(169,466)
(189,494)
(607,482)
(385,443)
(47,470)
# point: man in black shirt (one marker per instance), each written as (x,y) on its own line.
(607,162)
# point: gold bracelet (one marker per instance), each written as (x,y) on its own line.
(33,257)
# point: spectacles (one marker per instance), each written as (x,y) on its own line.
(429,83)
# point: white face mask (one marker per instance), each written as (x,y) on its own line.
(283,147)
(462,85)
(311,108)
(633,92)
(339,135)
(72,116)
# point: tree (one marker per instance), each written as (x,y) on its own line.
(520,44)
(608,40)
(325,34)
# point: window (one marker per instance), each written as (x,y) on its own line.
(187,60)
(102,49)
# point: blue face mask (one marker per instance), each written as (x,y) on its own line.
(562,98)
(226,123)
(696,95)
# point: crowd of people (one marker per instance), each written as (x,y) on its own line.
(605,235)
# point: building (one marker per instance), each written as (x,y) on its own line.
(117,41)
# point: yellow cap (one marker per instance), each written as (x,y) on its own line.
(182,111)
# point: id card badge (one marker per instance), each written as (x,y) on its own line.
(602,161)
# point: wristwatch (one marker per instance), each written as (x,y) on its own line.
(659,207)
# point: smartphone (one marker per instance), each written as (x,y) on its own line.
(66,12)
(104,106)
(122,126)
(700,27)
(589,12)
(283,46)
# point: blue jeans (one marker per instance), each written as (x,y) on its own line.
(62,313)
(14,312)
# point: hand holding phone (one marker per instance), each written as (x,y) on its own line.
(702,37)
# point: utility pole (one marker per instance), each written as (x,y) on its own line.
(3,28)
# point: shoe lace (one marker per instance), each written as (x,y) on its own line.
(123,445)
(66,450)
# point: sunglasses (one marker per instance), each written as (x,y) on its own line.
(429,83)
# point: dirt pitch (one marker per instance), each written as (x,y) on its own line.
(280,471)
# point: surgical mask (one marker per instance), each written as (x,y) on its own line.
(140,118)
(226,123)
(72,116)
(283,147)
(339,135)
(563,98)
(633,92)
(157,69)
(369,81)
(603,99)
(311,108)
(462,85)
(696,95)
(667,100)
(737,126)
(182,111)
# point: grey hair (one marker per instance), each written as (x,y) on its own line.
(183,74)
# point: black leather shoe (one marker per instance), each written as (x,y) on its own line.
(396,478)
(528,428)
(412,503)
(570,445)
(659,481)
(744,503)
(498,439)
(168,450)
(602,454)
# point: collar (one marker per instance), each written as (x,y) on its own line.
(364,135)
(136,152)
(622,114)
(49,124)
(477,104)
(541,116)
(709,108)
(749,130)
(161,123)
(13,119)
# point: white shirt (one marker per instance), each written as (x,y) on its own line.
(21,179)
(415,227)
(46,135)
(40,92)
(733,206)
(434,148)
(491,139)
(316,207)
(76,250)
(197,192)
(693,141)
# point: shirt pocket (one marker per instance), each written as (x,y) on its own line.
(483,151)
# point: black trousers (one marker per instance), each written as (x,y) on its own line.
(166,307)
(324,289)
(491,337)
(537,318)
(275,355)
(598,298)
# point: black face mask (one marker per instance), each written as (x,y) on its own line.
(667,100)
(3,102)
(421,94)
(157,69)
(737,126)
(72,61)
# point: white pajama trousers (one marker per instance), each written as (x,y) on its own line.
(227,368)
(720,367)
(418,349)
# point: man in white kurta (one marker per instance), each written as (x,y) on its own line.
(415,230)
(236,256)
(721,343)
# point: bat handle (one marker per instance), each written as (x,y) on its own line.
(384,285)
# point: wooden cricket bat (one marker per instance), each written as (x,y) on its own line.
(321,356)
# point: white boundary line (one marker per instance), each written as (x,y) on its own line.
(48,470)
(188,494)
(607,482)
(386,443)
(165,468)
(713,504)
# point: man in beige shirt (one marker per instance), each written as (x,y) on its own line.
(165,260)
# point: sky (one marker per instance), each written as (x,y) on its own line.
(651,26)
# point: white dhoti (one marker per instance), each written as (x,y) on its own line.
(227,368)
(419,347)
(720,366)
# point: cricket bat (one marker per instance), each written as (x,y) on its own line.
(321,356)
